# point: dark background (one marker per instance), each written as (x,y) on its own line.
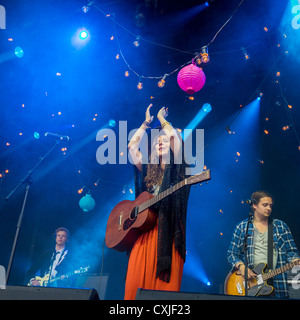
(59,87)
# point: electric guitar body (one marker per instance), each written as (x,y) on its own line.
(235,283)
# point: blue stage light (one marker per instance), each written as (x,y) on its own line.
(208,283)
(83,34)
(19,52)
(81,38)
(112,123)
(207,107)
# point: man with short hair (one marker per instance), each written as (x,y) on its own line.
(52,264)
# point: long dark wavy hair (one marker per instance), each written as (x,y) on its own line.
(154,170)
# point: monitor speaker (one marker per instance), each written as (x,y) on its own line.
(143,294)
(93,281)
(47,293)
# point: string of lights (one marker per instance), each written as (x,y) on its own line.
(198,58)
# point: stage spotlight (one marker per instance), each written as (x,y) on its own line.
(36,135)
(207,107)
(81,38)
(208,283)
(83,34)
(203,112)
(142,11)
(19,52)
(112,123)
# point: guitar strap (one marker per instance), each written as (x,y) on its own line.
(270,246)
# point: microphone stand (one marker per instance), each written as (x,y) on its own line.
(28,181)
(250,219)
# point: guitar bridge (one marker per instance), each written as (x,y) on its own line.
(120,221)
(259,279)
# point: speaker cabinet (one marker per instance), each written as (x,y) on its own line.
(47,293)
(93,281)
(143,294)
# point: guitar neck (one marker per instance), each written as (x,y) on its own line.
(60,278)
(79,271)
(161,196)
(275,272)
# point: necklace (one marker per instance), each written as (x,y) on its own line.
(261,235)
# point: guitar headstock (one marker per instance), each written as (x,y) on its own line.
(200,177)
(82,270)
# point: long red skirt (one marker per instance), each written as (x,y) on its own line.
(141,271)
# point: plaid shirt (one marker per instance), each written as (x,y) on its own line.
(283,241)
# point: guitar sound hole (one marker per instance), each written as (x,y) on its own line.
(133,213)
(127,224)
(130,221)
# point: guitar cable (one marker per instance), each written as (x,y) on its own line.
(102,264)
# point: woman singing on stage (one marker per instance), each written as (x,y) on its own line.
(157,257)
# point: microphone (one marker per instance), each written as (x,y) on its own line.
(57,136)
(250,202)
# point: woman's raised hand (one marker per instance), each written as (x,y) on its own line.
(149,118)
(162,114)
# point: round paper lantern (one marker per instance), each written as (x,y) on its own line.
(87,203)
(191,78)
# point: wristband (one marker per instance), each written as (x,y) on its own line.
(164,124)
(146,124)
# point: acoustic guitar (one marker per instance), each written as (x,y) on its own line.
(129,219)
(235,283)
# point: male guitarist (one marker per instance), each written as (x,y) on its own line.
(52,263)
(283,250)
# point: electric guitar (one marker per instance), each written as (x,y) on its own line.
(129,219)
(44,281)
(235,283)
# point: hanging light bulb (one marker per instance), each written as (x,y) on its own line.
(204,55)
(162,82)
(140,85)
(85,9)
(246,55)
(198,60)
(137,41)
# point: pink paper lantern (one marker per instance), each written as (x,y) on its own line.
(191,78)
